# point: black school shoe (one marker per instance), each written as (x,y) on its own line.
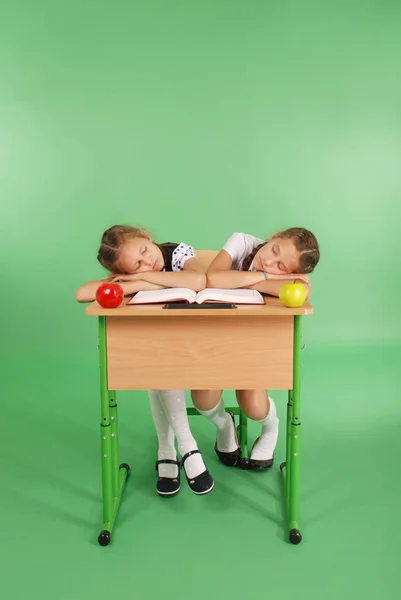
(260,465)
(167,486)
(203,483)
(230,459)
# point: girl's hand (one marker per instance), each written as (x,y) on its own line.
(302,278)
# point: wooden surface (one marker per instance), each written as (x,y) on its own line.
(200,353)
(272,307)
(206,257)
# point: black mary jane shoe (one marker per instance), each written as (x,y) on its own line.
(260,465)
(230,459)
(203,483)
(168,486)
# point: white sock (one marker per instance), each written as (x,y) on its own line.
(226,439)
(175,408)
(264,447)
(165,436)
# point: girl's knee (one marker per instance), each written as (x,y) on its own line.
(254,403)
(206,399)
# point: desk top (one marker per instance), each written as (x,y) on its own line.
(271,307)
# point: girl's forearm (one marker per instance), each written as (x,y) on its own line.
(132,287)
(194,280)
(272,287)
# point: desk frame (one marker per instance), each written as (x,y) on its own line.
(114,475)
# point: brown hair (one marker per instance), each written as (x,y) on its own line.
(305,243)
(112,240)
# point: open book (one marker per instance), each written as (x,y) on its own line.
(240,296)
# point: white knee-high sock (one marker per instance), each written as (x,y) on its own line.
(165,436)
(226,440)
(264,447)
(175,408)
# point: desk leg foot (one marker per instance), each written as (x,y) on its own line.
(295,536)
(104,538)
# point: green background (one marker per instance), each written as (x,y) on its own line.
(195,120)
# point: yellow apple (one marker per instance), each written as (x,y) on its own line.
(293,294)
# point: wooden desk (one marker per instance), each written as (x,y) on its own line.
(149,347)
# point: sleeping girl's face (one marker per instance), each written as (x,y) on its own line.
(278,256)
(138,255)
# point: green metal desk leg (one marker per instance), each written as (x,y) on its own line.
(114,445)
(286,466)
(290,468)
(113,477)
(243,440)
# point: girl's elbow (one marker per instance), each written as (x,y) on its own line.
(200,282)
(211,280)
(80,296)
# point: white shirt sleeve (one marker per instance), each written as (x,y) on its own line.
(236,247)
(239,246)
(181,254)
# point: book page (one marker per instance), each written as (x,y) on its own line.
(237,296)
(161,296)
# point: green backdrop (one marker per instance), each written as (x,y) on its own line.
(195,120)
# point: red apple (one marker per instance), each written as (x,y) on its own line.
(109,295)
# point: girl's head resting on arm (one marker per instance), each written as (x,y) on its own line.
(126,249)
(294,250)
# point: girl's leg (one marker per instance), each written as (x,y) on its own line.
(210,404)
(165,435)
(173,402)
(257,405)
